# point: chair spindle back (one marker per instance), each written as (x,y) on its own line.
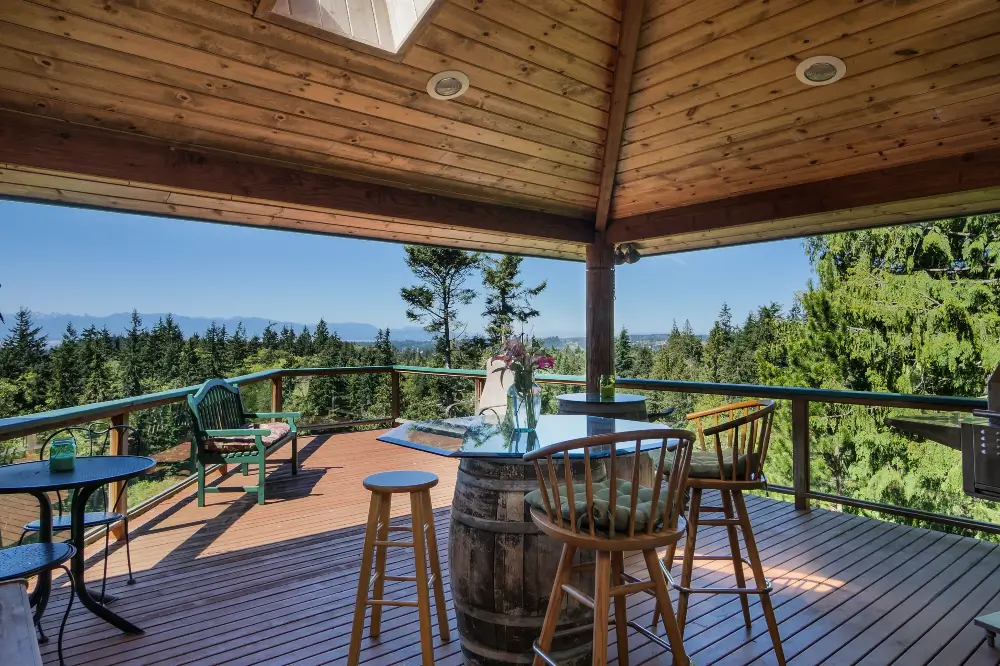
(547,459)
(743,431)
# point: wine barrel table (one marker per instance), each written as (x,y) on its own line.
(619,406)
(501,565)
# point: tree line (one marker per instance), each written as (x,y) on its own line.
(908,309)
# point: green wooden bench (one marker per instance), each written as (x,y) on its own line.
(224,434)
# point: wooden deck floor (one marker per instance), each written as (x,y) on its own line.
(239,584)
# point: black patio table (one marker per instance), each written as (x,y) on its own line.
(89,474)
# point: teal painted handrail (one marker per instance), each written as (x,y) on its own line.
(19,426)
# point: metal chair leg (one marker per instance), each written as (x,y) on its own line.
(107,543)
(69,607)
(20,541)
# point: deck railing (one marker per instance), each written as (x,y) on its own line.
(117,411)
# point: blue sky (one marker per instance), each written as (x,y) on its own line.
(58,259)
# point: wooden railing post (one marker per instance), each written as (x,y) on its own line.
(480,383)
(277,404)
(119,447)
(394,396)
(800,451)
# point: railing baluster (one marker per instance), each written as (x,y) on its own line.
(276,397)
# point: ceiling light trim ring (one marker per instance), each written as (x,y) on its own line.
(815,64)
(441,79)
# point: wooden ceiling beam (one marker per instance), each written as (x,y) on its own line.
(628,44)
(944,176)
(40,143)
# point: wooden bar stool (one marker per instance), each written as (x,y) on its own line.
(383,486)
(611,516)
(733,441)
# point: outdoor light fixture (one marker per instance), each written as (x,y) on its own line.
(447,85)
(820,70)
(626,253)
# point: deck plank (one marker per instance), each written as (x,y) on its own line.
(239,584)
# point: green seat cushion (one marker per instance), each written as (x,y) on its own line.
(602,505)
(705,465)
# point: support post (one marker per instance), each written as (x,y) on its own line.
(118,446)
(394,396)
(480,383)
(800,452)
(276,398)
(600,312)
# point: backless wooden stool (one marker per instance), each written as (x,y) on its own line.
(383,486)
(611,516)
(733,441)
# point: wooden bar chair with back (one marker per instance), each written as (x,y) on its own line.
(609,515)
(733,441)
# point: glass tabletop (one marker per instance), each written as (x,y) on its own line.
(482,437)
(88,470)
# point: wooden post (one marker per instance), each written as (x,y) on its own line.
(600,312)
(800,451)
(480,384)
(276,398)
(394,396)
(119,447)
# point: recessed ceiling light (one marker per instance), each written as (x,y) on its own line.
(820,70)
(447,85)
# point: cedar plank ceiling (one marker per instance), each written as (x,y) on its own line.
(715,113)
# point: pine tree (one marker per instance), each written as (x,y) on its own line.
(134,357)
(508,301)
(720,338)
(66,385)
(24,348)
(270,338)
(624,365)
(321,336)
(238,350)
(303,343)
(442,273)
(95,352)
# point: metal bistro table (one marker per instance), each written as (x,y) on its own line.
(501,565)
(88,475)
(618,406)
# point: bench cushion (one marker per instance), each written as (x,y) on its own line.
(248,444)
(602,505)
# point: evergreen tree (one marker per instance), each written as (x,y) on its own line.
(321,336)
(66,385)
(270,338)
(134,357)
(287,339)
(442,273)
(303,343)
(623,355)
(238,350)
(508,301)
(24,347)
(720,338)
(95,352)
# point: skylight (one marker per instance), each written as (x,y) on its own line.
(384,24)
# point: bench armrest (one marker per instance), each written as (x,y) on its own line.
(240,432)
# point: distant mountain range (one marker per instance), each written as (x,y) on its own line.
(54,324)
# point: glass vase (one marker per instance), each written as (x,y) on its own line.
(524,405)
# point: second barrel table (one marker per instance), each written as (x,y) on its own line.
(618,406)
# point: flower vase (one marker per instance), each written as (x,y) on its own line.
(524,404)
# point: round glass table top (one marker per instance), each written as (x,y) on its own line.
(617,398)
(482,437)
(87,471)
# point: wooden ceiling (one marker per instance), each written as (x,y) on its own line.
(697,105)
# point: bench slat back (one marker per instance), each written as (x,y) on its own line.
(217,406)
